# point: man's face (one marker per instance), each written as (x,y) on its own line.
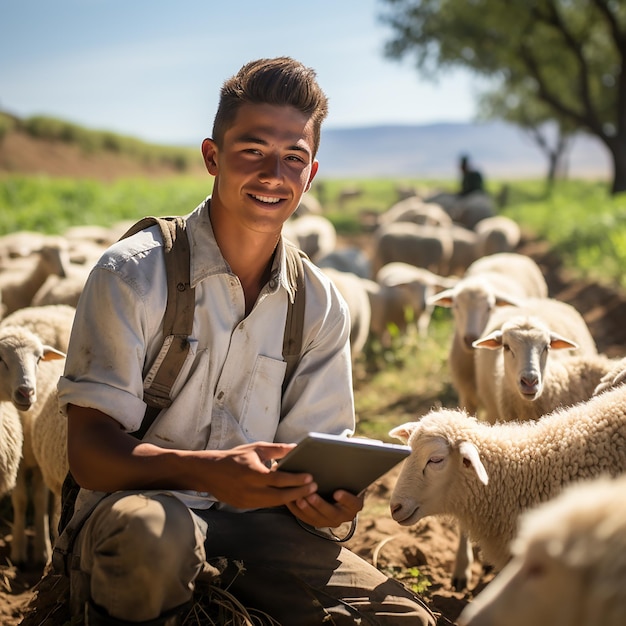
(264,165)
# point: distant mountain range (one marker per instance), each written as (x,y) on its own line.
(499,150)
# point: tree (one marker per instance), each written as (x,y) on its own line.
(569,55)
(533,117)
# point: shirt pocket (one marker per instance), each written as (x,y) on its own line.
(261,408)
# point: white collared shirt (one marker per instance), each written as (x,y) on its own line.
(229,389)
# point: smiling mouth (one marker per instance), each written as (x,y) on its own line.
(265,199)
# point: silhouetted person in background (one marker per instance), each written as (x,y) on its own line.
(471,178)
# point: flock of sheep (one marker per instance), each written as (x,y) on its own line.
(541,415)
(540,412)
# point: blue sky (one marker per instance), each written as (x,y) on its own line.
(153,68)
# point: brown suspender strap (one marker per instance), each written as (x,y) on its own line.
(294,324)
(178,319)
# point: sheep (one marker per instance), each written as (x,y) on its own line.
(568,566)
(29,372)
(314,234)
(309,205)
(18,288)
(464,249)
(497,234)
(52,323)
(402,288)
(352,288)
(485,475)
(11,442)
(421,245)
(502,280)
(63,290)
(613,378)
(466,210)
(415,210)
(347,260)
(521,369)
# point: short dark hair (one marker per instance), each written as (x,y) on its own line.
(280,81)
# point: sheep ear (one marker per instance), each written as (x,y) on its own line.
(491,342)
(52,354)
(506,300)
(471,458)
(443,298)
(404,431)
(558,342)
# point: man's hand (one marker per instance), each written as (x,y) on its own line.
(316,511)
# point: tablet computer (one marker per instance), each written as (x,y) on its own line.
(338,462)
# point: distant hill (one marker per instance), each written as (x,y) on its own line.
(427,151)
(499,150)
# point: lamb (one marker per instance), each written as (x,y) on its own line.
(485,475)
(400,288)
(352,288)
(52,323)
(521,372)
(29,372)
(18,288)
(569,563)
(489,283)
(497,234)
(421,245)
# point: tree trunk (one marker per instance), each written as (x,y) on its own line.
(617,147)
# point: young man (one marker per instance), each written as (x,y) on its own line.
(199,485)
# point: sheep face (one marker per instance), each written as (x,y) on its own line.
(472,303)
(525,344)
(425,484)
(517,596)
(20,353)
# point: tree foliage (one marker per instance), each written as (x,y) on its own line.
(567,55)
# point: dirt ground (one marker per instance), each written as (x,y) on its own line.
(428,546)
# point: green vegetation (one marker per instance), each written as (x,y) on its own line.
(180,159)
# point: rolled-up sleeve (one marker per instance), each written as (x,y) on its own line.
(107,351)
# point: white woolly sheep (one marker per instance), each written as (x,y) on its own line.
(497,234)
(402,291)
(415,210)
(421,245)
(616,376)
(52,323)
(502,280)
(485,475)
(29,372)
(63,290)
(568,566)
(466,210)
(522,369)
(309,204)
(11,442)
(464,249)
(347,260)
(314,234)
(18,288)
(352,288)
